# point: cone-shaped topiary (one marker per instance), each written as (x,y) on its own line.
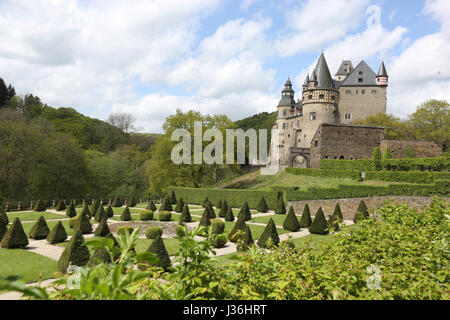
(281,208)
(100,214)
(245,240)
(102,229)
(61,206)
(223,209)
(82,224)
(173,199)
(117,202)
(205,220)
(229,216)
(159,249)
(85,210)
(75,253)
(219,204)
(94,207)
(3,230)
(3,217)
(319,225)
(39,206)
(205,202)
(109,211)
(125,216)
(15,237)
(336,218)
(361,213)
(70,211)
(166,205)
(180,205)
(245,212)
(270,232)
(291,222)
(58,234)
(131,202)
(262,206)
(99,256)
(239,225)
(40,230)
(305,220)
(151,206)
(387,154)
(185,215)
(211,213)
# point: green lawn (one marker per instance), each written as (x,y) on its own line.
(277,218)
(27,226)
(28,265)
(33,216)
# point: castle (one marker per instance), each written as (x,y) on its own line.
(353,93)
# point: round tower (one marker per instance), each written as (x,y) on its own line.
(382,76)
(320,102)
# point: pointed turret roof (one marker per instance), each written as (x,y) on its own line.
(324,79)
(382,71)
(313,76)
(287,95)
(306,80)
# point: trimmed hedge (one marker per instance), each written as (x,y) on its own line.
(100,214)
(109,211)
(185,215)
(305,220)
(223,209)
(124,229)
(70,211)
(61,206)
(353,174)
(239,225)
(416,164)
(245,212)
(262,206)
(234,197)
(229,216)
(146,215)
(153,232)
(125,216)
(291,222)
(281,208)
(151,206)
(82,224)
(164,216)
(217,226)
(40,206)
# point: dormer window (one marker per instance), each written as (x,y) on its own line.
(360,80)
(360,73)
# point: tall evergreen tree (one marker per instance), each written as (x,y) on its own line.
(305,220)
(3,93)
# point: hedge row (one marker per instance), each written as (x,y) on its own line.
(440,187)
(353,174)
(235,198)
(426,177)
(416,164)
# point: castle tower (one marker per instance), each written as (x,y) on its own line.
(344,70)
(320,101)
(382,76)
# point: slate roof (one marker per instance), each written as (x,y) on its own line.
(382,71)
(345,68)
(324,79)
(361,71)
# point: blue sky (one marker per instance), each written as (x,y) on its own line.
(150,57)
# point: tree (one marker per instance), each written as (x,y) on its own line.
(82,224)
(151,206)
(223,209)
(3,93)
(109,211)
(125,216)
(132,202)
(376,155)
(319,225)
(58,234)
(15,237)
(291,222)
(229,215)
(245,212)
(75,253)
(102,229)
(210,211)
(117,202)
(239,225)
(185,215)
(281,208)
(205,220)
(39,206)
(61,206)
(336,218)
(262,206)
(100,214)
(123,121)
(158,248)
(70,211)
(39,230)
(305,220)
(270,232)
(396,129)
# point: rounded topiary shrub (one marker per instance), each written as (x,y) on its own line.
(180,231)
(39,230)
(153,232)
(58,234)
(220,241)
(217,226)
(164,216)
(124,230)
(146,215)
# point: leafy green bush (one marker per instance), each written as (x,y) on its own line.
(125,216)
(262,205)
(58,234)
(61,206)
(124,230)
(164,216)
(153,232)
(39,230)
(324,173)
(281,208)
(75,253)
(387,154)
(15,237)
(319,225)
(244,239)
(229,215)
(305,220)
(102,229)
(220,241)
(159,249)
(40,206)
(146,215)
(185,215)
(234,197)
(72,221)
(269,234)
(291,222)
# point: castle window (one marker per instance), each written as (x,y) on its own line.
(316,143)
(360,73)
(341,157)
(356,91)
(321,96)
(363,91)
(284,113)
(374,91)
(310,97)
(284,125)
(312,116)
(348,116)
(333,98)
(360,80)
(289,135)
(348,92)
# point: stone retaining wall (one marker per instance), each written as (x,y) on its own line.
(349,206)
